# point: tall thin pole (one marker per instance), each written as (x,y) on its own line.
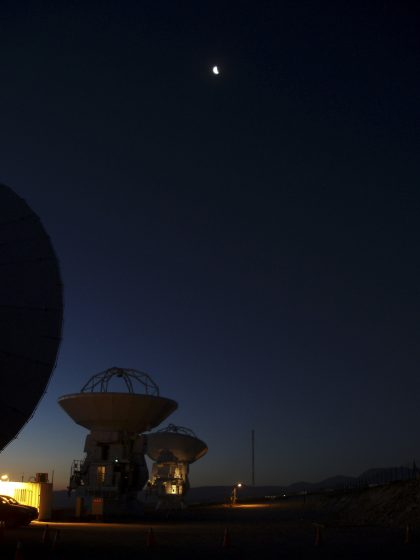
(253,456)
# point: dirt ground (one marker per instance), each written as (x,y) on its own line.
(336,526)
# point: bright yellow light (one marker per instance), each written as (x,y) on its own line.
(4,477)
(27,493)
(253,506)
(239,485)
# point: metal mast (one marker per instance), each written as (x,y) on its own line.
(253,456)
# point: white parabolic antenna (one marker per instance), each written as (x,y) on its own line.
(178,441)
(31,312)
(97,408)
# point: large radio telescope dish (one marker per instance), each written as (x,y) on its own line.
(31,312)
(181,443)
(98,408)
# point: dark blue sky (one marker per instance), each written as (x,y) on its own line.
(249,240)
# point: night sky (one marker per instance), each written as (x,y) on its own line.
(250,240)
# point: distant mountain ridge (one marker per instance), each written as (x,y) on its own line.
(373,476)
(370,477)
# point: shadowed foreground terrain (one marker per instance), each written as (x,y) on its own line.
(379,522)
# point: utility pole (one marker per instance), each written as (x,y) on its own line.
(253,456)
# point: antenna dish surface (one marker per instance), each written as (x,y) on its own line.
(31,312)
(178,441)
(96,408)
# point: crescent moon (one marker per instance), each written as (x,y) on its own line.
(215,70)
